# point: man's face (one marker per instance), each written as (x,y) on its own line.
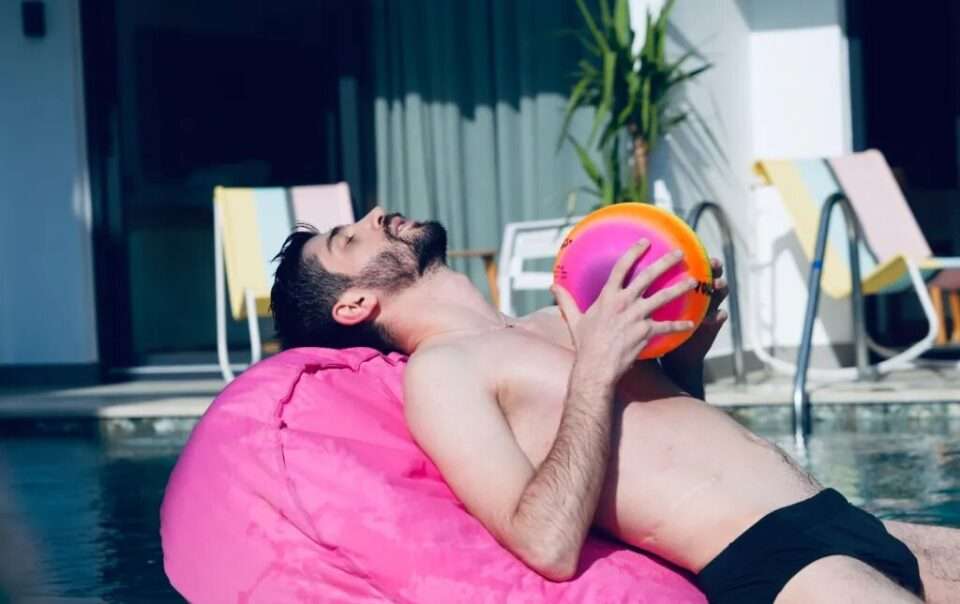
(381,251)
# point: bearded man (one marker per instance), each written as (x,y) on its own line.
(546,426)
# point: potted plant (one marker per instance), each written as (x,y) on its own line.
(630,93)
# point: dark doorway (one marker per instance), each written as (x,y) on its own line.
(905,76)
(184,96)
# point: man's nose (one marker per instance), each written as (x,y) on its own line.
(374,218)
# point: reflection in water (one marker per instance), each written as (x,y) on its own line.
(898,468)
(91,504)
(92,509)
(19,568)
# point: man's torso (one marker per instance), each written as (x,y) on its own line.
(684,479)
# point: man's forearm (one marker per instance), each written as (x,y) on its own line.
(688,377)
(560,502)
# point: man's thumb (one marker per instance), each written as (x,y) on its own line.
(568,307)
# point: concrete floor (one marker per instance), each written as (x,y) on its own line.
(187,398)
(914,386)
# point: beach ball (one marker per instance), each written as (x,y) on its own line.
(589,252)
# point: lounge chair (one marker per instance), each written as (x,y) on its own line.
(525,242)
(894,254)
(250,225)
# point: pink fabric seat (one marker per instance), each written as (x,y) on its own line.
(302,483)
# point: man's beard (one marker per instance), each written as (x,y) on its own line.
(400,266)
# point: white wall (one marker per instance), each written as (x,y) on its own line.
(778,88)
(801,89)
(800,99)
(46,278)
(709,157)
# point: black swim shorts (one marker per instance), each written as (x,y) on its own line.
(755,567)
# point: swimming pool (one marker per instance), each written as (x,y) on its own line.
(85,499)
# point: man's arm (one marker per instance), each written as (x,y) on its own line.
(541,514)
(685,365)
(688,377)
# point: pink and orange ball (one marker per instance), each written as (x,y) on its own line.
(589,252)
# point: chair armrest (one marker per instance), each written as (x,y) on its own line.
(944,262)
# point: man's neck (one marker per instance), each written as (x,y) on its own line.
(443,302)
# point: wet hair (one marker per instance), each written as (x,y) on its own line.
(302,300)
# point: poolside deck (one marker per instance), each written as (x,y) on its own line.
(914,386)
(189,398)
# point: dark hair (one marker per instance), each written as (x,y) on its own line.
(302,300)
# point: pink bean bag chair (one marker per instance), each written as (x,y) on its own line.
(301,483)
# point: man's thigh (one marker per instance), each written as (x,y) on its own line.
(842,580)
(937,550)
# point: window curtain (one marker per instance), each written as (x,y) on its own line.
(468,105)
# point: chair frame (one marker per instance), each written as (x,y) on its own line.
(896,360)
(508,260)
(253,322)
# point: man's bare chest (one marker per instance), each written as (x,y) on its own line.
(530,377)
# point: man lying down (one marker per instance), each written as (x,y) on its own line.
(546,425)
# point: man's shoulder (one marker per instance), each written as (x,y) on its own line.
(435,357)
(446,365)
(440,376)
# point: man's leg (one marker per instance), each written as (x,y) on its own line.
(842,580)
(938,552)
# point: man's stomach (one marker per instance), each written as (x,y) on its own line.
(685,480)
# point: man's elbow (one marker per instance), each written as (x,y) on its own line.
(552,563)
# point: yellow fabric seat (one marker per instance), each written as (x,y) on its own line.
(894,254)
(250,225)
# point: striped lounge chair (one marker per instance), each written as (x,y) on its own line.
(250,225)
(894,254)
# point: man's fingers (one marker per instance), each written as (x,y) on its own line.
(716,267)
(667,294)
(662,327)
(568,307)
(619,273)
(720,292)
(649,274)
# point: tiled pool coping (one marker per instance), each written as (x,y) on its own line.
(158,406)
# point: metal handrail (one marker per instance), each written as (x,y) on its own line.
(801,398)
(730,265)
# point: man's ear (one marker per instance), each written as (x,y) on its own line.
(355,306)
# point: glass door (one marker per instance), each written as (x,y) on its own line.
(185,96)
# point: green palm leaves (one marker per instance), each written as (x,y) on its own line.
(630,94)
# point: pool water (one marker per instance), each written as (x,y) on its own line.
(80,522)
(84,511)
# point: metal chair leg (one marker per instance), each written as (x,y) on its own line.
(223,356)
(953,298)
(253,324)
(936,296)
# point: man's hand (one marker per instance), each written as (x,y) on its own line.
(611,333)
(689,355)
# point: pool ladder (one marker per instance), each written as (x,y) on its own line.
(730,270)
(802,422)
(801,398)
